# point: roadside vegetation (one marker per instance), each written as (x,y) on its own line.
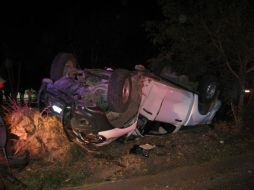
(193,38)
(52,169)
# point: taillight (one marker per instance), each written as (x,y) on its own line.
(1,85)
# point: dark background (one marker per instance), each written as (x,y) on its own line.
(99,33)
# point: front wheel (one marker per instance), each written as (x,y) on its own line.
(119,90)
(208,88)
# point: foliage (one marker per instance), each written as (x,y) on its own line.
(209,36)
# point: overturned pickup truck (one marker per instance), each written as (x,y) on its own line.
(97,106)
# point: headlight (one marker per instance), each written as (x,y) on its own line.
(57,109)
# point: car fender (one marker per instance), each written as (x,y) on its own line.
(165,102)
(196,117)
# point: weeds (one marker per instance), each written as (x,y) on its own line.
(42,136)
(62,164)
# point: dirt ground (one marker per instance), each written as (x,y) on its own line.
(231,173)
(194,158)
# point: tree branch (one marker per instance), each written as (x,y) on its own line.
(250,70)
(231,69)
(227,62)
(217,43)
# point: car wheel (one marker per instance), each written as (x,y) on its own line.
(61,65)
(208,88)
(81,124)
(119,120)
(119,90)
(81,129)
(74,124)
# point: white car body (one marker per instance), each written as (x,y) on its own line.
(98,106)
(165,102)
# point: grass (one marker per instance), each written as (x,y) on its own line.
(187,147)
(47,175)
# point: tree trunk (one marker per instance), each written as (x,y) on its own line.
(240,108)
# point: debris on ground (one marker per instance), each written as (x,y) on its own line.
(147,146)
(143,150)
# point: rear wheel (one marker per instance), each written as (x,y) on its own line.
(208,91)
(61,65)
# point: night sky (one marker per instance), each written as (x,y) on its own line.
(99,33)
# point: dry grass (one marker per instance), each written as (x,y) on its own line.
(42,136)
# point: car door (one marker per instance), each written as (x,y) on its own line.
(165,102)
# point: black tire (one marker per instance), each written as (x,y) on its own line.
(61,64)
(208,88)
(131,110)
(119,90)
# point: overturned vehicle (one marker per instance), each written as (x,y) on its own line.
(97,106)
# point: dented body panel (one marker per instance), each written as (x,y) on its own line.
(168,103)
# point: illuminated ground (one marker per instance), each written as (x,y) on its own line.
(195,158)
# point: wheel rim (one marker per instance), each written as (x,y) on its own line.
(211,89)
(126,91)
(69,65)
(81,124)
